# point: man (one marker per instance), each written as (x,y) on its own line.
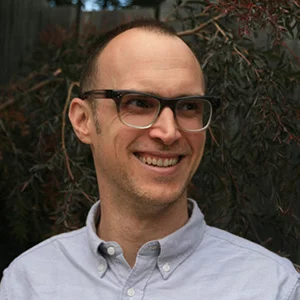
(144,114)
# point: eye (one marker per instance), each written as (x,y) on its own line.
(142,103)
(138,103)
(190,106)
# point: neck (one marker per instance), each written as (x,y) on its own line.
(131,229)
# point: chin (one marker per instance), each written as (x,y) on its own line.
(163,197)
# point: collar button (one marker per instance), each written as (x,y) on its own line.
(166,267)
(111,250)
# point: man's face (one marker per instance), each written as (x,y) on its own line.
(126,158)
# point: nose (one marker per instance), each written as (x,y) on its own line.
(165,128)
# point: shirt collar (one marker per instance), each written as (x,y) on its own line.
(172,249)
(91,221)
(178,246)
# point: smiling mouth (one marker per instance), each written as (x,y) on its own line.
(158,161)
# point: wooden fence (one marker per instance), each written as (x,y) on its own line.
(22,20)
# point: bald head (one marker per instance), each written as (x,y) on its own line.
(124,45)
(142,60)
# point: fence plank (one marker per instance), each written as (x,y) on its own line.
(22,20)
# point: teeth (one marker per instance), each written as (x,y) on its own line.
(160,162)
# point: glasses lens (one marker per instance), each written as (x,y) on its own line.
(138,110)
(193,114)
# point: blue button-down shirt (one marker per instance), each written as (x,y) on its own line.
(195,262)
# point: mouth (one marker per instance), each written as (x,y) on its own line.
(161,162)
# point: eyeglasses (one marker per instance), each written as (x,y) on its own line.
(141,110)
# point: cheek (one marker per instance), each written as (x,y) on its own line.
(107,118)
(197,142)
(108,124)
(115,139)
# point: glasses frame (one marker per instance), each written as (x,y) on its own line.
(117,96)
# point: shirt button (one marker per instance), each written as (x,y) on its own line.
(101,268)
(111,250)
(130,292)
(166,267)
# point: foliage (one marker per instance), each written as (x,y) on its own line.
(248,182)
(249,178)
(40,198)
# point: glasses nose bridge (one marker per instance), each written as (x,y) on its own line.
(171,103)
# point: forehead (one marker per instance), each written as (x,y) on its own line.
(139,56)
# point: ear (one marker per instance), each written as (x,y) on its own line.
(81,119)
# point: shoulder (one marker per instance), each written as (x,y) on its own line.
(43,261)
(51,247)
(241,246)
(38,270)
(254,263)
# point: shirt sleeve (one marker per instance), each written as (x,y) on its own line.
(3,291)
(296,293)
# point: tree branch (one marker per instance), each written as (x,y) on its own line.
(34,88)
(213,137)
(200,27)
